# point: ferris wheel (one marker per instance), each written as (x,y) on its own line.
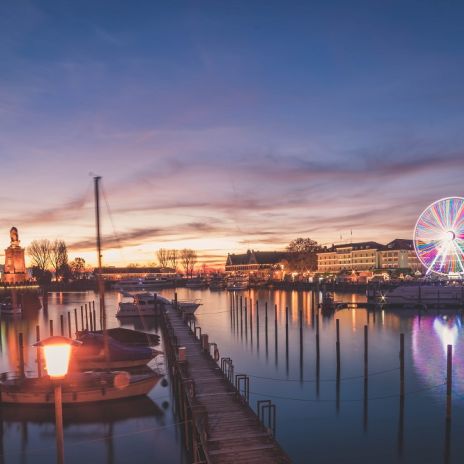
(439,237)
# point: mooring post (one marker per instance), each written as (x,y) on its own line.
(241,316)
(276,334)
(286,326)
(246,318)
(449,380)
(257,322)
(69,325)
(76,328)
(82,318)
(86,318)
(402,365)
(365,376)
(21,355)
(61,325)
(251,321)
(94,320)
(337,321)
(51,327)
(39,360)
(301,344)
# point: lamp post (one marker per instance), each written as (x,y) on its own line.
(57,354)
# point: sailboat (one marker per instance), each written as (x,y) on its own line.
(82,387)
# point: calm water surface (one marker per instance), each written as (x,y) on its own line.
(316,422)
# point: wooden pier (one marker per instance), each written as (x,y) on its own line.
(219,426)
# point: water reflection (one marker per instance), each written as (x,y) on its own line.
(430,337)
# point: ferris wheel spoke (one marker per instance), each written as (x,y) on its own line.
(457,251)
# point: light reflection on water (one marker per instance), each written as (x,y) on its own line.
(317,421)
(134,430)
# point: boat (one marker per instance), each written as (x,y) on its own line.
(196,282)
(143,304)
(150,282)
(127,336)
(237,285)
(90,354)
(451,296)
(217,283)
(8,308)
(77,387)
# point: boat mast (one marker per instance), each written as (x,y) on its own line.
(101,285)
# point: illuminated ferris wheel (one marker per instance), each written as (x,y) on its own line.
(439,237)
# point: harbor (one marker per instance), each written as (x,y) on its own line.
(296,370)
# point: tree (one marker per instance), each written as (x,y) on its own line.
(302,254)
(188,258)
(40,254)
(173,259)
(163,257)
(77,268)
(59,258)
(42,276)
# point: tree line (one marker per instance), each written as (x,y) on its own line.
(52,256)
(187,258)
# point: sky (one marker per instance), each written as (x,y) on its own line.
(227,126)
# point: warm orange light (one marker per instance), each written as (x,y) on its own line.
(57,358)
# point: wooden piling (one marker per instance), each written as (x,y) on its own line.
(276,334)
(61,325)
(246,318)
(286,326)
(365,412)
(241,316)
(38,352)
(82,318)
(251,321)
(21,355)
(402,365)
(86,318)
(69,325)
(449,380)
(265,329)
(257,322)
(337,321)
(76,328)
(94,319)
(51,327)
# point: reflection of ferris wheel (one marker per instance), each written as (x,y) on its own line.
(439,237)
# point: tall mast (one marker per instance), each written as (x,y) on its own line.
(101,285)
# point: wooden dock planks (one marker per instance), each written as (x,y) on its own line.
(234,433)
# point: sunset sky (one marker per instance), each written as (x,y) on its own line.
(223,126)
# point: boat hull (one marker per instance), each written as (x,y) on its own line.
(42,392)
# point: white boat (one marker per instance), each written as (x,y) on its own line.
(143,304)
(429,295)
(150,282)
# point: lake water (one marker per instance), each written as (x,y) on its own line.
(316,421)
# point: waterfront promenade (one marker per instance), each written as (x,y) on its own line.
(220,427)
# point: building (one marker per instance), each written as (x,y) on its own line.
(257,262)
(362,256)
(368,256)
(399,254)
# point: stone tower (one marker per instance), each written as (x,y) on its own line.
(15,265)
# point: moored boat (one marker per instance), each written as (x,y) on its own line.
(143,304)
(196,282)
(188,307)
(83,387)
(8,308)
(90,354)
(127,336)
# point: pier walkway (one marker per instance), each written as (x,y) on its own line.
(219,425)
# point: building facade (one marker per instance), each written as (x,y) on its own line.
(368,256)
(361,256)
(257,262)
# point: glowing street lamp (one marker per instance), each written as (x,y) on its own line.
(57,354)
